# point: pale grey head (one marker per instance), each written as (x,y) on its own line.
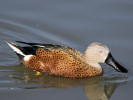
(98,53)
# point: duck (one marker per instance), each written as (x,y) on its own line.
(65,61)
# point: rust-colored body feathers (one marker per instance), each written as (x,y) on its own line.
(60,63)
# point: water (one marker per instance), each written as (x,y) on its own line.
(71,23)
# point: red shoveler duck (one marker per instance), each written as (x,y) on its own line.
(65,61)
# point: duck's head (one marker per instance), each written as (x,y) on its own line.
(99,53)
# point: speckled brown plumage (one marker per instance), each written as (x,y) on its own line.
(60,63)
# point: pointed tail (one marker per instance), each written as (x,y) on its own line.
(19,50)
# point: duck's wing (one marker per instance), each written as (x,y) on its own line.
(40,45)
(69,50)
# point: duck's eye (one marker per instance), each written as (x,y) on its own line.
(101,51)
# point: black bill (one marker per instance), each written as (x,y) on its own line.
(112,62)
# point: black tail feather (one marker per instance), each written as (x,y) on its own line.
(21,51)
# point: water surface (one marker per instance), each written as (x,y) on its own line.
(70,23)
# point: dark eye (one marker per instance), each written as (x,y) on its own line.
(101,51)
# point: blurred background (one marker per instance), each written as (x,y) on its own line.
(73,23)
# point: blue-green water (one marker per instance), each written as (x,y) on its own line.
(70,23)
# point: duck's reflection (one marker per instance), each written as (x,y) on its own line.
(94,88)
(99,91)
